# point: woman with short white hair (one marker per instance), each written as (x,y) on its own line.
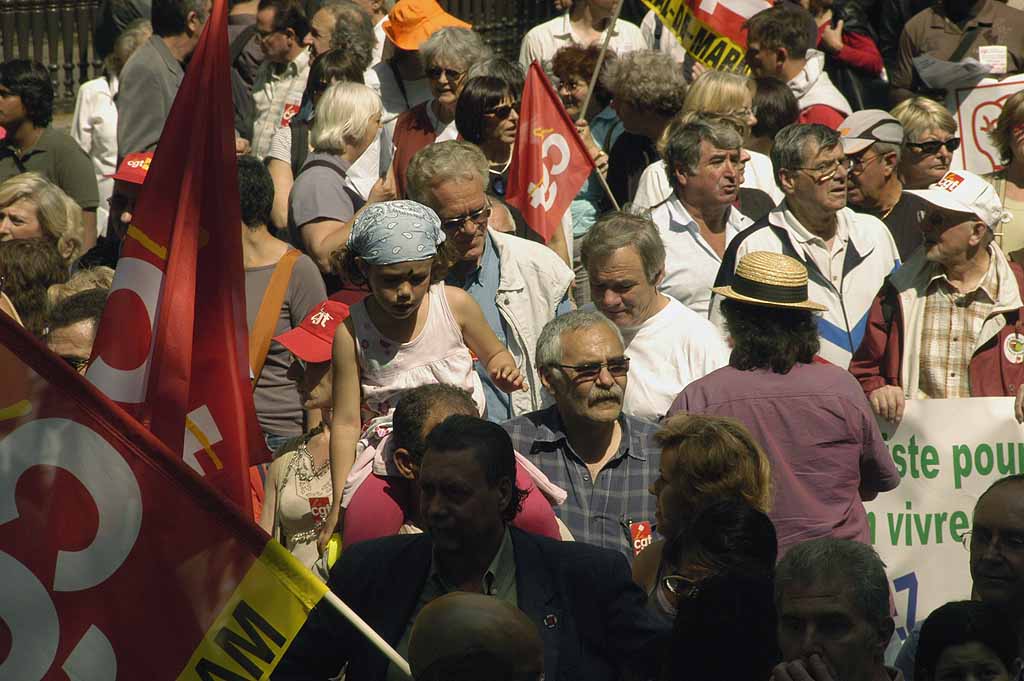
(346,123)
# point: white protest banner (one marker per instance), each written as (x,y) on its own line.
(711,31)
(947,453)
(976,110)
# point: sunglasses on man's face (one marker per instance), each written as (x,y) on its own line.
(932,147)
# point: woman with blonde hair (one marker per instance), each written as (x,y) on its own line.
(703,459)
(1008,138)
(347,121)
(720,93)
(32,207)
(929,140)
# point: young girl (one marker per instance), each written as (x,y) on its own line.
(411,330)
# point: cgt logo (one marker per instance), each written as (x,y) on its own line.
(950,181)
(544,193)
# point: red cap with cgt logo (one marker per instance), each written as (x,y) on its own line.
(311,340)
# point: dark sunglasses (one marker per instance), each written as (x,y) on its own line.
(479,218)
(77,363)
(434,73)
(617,366)
(502,112)
(952,144)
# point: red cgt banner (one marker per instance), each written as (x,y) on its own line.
(550,163)
(116,561)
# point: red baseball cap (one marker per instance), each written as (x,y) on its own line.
(311,340)
(134,167)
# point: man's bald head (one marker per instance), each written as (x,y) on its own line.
(472,637)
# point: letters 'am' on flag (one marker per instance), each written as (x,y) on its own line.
(549,163)
(116,561)
(711,31)
(172,344)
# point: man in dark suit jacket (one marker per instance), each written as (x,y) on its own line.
(591,615)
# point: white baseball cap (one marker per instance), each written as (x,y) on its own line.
(965,192)
(861,129)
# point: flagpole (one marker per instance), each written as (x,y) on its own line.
(365,629)
(593,83)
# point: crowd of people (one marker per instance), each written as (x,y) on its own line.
(639,448)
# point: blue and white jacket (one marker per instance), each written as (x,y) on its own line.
(871,256)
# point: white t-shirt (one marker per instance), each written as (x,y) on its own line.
(670,350)
(653,187)
(666,42)
(542,41)
(94,127)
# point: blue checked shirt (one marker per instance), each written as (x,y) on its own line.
(602,511)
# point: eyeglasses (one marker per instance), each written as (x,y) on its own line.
(478,217)
(824,172)
(745,112)
(451,75)
(77,363)
(264,36)
(858,163)
(982,539)
(502,112)
(617,367)
(932,147)
(570,85)
(680,586)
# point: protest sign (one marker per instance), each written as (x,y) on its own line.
(711,31)
(977,109)
(947,453)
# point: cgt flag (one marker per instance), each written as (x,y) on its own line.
(172,344)
(116,561)
(711,31)
(550,163)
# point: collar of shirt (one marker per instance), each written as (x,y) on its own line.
(41,146)
(682,220)
(989,285)
(291,69)
(802,235)
(170,61)
(554,432)
(983,14)
(499,577)
(486,274)
(567,33)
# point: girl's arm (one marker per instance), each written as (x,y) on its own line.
(482,342)
(269,511)
(345,425)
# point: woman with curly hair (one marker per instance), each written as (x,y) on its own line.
(32,207)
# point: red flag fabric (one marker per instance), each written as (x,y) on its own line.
(116,560)
(172,344)
(550,164)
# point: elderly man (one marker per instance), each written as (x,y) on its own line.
(832,599)
(703,160)
(792,404)
(591,616)
(946,324)
(996,559)
(520,285)
(281,78)
(471,637)
(847,254)
(873,141)
(603,458)
(72,325)
(669,345)
(150,80)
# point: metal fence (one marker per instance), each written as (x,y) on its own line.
(502,23)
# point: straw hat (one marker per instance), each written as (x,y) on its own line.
(411,22)
(772,279)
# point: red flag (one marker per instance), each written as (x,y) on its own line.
(116,561)
(550,163)
(172,344)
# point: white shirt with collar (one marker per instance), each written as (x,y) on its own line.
(378,49)
(691,265)
(666,353)
(542,41)
(277,95)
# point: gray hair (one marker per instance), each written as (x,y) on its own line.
(856,565)
(342,116)
(506,70)
(454,46)
(683,139)
(436,163)
(549,345)
(790,150)
(619,229)
(648,80)
(353,31)
(883,148)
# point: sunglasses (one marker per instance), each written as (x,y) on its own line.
(502,112)
(77,363)
(451,75)
(478,217)
(928,148)
(617,367)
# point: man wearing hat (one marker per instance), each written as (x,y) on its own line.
(948,323)
(401,81)
(847,254)
(872,140)
(793,405)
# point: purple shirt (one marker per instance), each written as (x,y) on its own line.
(816,427)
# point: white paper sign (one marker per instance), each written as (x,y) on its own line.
(976,110)
(994,57)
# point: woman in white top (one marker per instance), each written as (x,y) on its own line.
(94,123)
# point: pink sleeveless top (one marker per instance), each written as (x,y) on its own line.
(438,355)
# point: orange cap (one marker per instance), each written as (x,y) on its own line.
(411,22)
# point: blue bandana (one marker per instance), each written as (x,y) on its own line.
(396,231)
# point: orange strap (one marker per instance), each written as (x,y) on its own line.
(270,310)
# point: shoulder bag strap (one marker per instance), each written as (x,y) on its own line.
(965,44)
(318,163)
(270,310)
